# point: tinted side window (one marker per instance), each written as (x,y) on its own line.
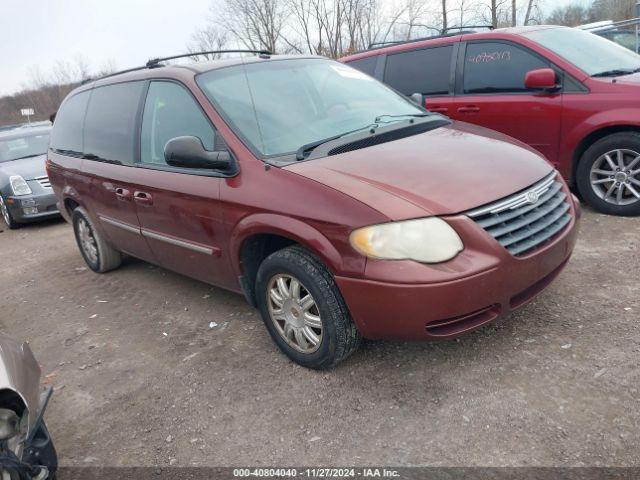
(420,71)
(110,126)
(365,65)
(67,130)
(497,67)
(170,111)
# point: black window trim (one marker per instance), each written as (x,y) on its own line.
(563,76)
(138,129)
(234,170)
(452,66)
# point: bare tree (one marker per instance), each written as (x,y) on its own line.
(256,24)
(209,38)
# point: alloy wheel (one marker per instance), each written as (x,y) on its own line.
(87,240)
(615,177)
(294,313)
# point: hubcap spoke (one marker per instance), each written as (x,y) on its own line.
(282,287)
(312,320)
(610,161)
(633,190)
(610,191)
(307,302)
(275,297)
(633,163)
(620,157)
(598,171)
(294,313)
(294,288)
(311,336)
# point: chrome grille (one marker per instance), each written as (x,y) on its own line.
(44,181)
(523,221)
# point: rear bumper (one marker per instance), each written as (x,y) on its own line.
(497,284)
(30,208)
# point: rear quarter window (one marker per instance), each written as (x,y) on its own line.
(67,128)
(110,125)
(365,65)
(426,71)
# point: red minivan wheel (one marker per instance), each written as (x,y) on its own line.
(608,175)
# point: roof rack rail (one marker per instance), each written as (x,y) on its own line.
(376,45)
(464,27)
(155,62)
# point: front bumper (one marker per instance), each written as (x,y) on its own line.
(409,301)
(29,208)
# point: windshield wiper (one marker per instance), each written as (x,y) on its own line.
(616,72)
(402,115)
(30,156)
(308,147)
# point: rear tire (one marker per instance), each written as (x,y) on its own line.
(319,314)
(6,215)
(97,253)
(608,175)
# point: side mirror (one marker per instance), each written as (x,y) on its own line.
(188,152)
(417,99)
(541,79)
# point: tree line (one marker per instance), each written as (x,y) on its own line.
(331,28)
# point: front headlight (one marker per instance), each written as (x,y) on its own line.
(425,240)
(19,185)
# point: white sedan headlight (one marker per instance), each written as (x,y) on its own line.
(425,240)
(19,185)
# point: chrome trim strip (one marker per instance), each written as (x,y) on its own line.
(177,242)
(516,200)
(119,224)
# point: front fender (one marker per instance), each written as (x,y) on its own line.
(296,230)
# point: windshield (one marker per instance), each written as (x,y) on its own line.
(21,147)
(590,53)
(281,105)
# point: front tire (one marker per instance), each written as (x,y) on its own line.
(97,253)
(303,309)
(608,175)
(6,215)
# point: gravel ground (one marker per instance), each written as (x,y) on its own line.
(142,379)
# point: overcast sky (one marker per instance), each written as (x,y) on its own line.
(39,32)
(128,32)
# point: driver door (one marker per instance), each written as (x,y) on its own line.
(490,92)
(179,208)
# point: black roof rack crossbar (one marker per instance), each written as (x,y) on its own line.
(155,62)
(377,45)
(152,63)
(464,27)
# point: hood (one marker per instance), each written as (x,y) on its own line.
(444,171)
(28,168)
(20,372)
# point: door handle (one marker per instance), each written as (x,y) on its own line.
(143,198)
(436,109)
(469,109)
(123,194)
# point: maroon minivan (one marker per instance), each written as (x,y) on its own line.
(335,205)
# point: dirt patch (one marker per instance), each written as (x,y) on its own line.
(142,379)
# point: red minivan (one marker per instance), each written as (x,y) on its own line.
(570,94)
(335,205)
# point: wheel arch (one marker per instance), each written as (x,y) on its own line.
(595,135)
(257,236)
